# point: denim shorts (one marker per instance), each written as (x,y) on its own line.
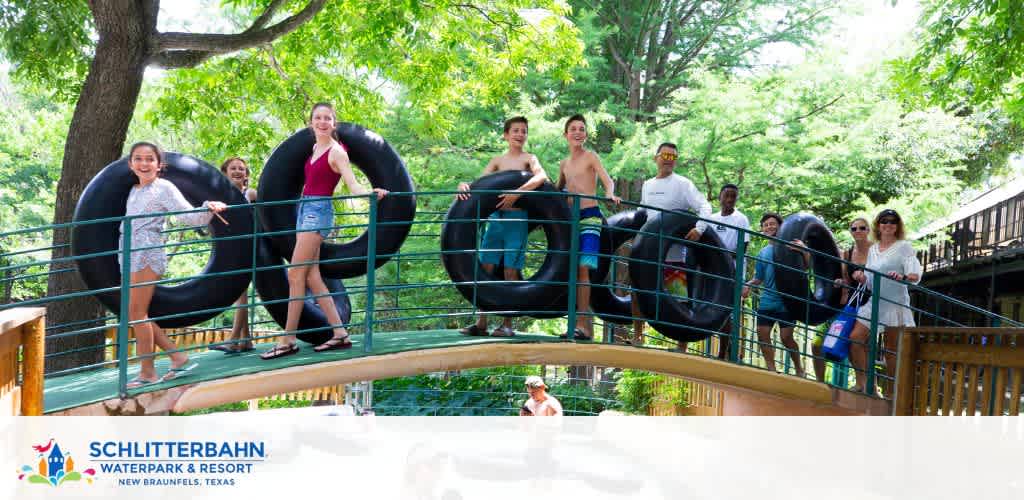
(315,213)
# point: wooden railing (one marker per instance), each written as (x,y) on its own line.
(701,399)
(978,235)
(184,337)
(957,371)
(21,360)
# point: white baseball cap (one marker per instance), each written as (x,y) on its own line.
(535,381)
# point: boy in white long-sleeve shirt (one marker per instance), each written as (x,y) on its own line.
(670,191)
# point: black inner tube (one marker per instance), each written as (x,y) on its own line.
(272,285)
(283,177)
(621,228)
(688,320)
(107,196)
(825,302)
(459,239)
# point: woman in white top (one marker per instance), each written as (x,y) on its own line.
(895,258)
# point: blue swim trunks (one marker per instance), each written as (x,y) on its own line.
(590,236)
(505,238)
(315,213)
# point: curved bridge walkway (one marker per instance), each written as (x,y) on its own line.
(223,378)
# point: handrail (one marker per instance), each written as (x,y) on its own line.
(421,254)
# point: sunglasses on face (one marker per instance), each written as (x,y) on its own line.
(854,229)
(668,156)
(889,220)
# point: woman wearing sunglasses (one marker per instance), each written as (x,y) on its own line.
(894,257)
(860,230)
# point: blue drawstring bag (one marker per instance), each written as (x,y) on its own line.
(836,346)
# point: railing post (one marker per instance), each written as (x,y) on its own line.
(737,297)
(574,259)
(251,311)
(33,341)
(903,386)
(122,325)
(371,272)
(869,366)
(661,271)
(609,327)
(476,262)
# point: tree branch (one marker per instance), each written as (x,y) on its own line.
(179,50)
(261,22)
(791,120)
(181,58)
(618,59)
(272,60)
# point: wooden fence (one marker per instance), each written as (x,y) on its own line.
(701,399)
(958,371)
(22,351)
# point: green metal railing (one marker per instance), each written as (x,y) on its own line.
(24,269)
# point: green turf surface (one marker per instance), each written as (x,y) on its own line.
(69,391)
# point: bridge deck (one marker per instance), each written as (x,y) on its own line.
(92,386)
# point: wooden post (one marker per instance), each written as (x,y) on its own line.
(33,352)
(904,398)
(24,329)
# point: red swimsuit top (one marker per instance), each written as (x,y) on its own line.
(320,178)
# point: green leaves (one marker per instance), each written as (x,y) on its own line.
(424,61)
(48,41)
(971,54)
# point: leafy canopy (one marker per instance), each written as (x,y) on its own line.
(971,54)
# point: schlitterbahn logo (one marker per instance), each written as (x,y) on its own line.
(176,463)
(55,467)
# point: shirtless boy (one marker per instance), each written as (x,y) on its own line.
(579,174)
(505,238)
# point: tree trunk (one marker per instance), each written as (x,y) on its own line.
(95,138)
(634,95)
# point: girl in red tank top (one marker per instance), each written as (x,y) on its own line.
(320,178)
(327,164)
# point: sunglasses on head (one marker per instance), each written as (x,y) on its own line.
(854,229)
(668,156)
(888,220)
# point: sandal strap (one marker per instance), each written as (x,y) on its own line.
(278,350)
(331,342)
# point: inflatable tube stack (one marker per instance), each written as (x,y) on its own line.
(283,177)
(106,196)
(825,302)
(459,236)
(682,320)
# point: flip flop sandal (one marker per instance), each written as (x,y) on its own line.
(137,382)
(228,350)
(334,344)
(173,373)
(503,332)
(578,334)
(473,331)
(280,351)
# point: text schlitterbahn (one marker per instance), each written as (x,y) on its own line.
(177,463)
